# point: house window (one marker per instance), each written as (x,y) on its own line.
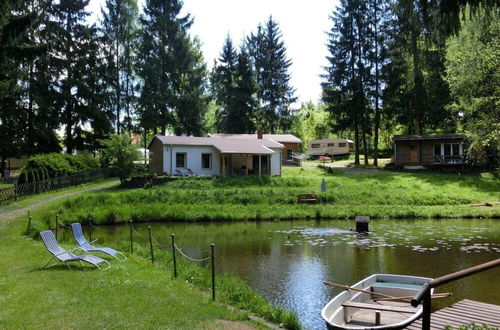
(289,154)
(448,152)
(342,145)
(206,161)
(315,145)
(180,159)
(331,144)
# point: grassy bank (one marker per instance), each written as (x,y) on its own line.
(379,195)
(132,294)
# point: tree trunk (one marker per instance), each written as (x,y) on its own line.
(377,91)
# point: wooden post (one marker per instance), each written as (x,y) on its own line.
(151,245)
(426,311)
(212,246)
(362,224)
(131,239)
(29,225)
(173,255)
(260,165)
(90,229)
(377,318)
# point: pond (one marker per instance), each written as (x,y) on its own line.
(286,262)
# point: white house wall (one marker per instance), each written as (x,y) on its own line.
(276,162)
(193,161)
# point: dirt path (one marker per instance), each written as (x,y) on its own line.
(14,213)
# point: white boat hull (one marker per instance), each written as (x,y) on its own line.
(362,314)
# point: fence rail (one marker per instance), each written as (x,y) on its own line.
(22,190)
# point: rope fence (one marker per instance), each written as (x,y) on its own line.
(176,250)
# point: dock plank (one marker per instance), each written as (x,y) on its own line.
(462,313)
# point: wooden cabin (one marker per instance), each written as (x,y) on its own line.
(429,150)
(330,147)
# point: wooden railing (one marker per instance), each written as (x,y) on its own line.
(449,159)
(424,295)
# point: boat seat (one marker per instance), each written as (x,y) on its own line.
(384,308)
(397,285)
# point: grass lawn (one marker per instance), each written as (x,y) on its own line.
(378,194)
(132,294)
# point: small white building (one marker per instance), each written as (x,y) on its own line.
(330,147)
(214,156)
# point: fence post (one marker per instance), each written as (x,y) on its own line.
(212,246)
(29,225)
(57,224)
(90,228)
(426,310)
(151,245)
(173,255)
(131,239)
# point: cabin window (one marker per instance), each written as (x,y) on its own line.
(331,144)
(315,145)
(289,154)
(448,149)
(180,159)
(206,161)
(342,145)
(351,147)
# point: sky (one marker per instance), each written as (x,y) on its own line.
(303,24)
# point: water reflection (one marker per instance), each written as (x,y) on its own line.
(287,262)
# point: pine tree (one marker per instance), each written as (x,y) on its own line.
(347,78)
(119,29)
(171,70)
(223,82)
(271,66)
(246,103)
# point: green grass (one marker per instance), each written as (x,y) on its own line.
(379,195)
(40,197)
(132,294)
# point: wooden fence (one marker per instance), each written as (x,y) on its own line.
(19,191)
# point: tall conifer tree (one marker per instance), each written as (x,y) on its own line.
(276,95)
(171,70)
(119,28)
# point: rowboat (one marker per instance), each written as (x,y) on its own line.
(380,301)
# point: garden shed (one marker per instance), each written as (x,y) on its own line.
(429,150)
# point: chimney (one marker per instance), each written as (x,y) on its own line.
(260,134)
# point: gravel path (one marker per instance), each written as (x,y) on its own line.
(14,213)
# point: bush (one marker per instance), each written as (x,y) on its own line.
(41,167)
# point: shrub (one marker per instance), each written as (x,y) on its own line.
(41,167)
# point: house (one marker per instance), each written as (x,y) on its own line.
(215,156)
(290,153)
(330,147)
(429,150)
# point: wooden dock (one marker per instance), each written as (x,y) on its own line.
(462,313)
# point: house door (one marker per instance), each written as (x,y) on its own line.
(414,154)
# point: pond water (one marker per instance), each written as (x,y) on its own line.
(286,262)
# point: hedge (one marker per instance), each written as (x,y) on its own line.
(44,166)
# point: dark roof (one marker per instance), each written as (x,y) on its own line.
(426,137)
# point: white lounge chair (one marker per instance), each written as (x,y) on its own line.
(50,242)
(87,246)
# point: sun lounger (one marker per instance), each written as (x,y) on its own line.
(50,242)
(87,246)
(191,172)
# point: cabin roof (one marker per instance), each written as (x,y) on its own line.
(331,141)
(280,138)
(429,137)
(224,145)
